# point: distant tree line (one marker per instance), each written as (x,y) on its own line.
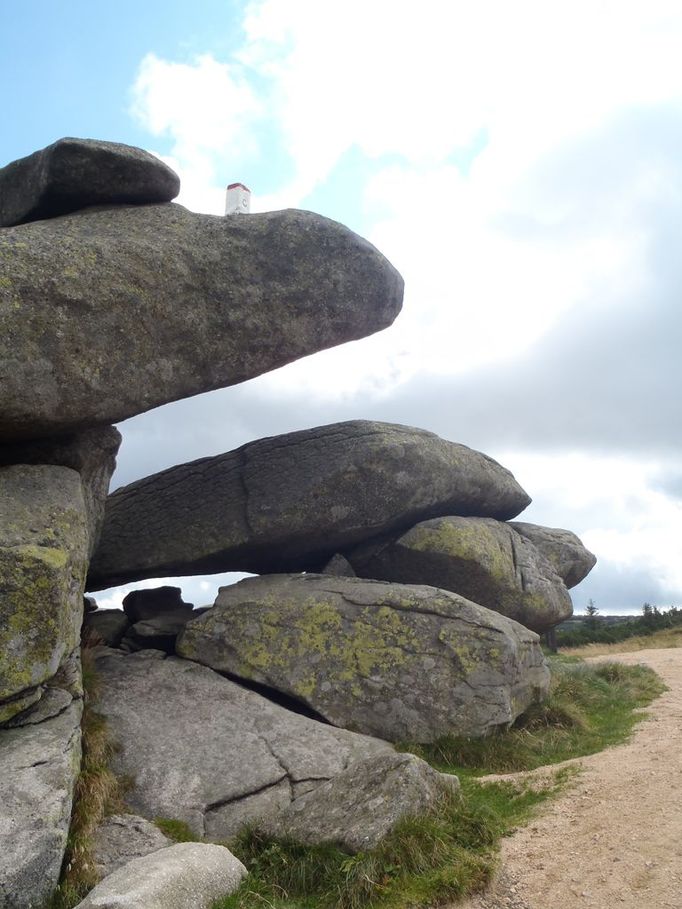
(594,630)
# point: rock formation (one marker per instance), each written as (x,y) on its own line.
(105,626)
(123,837)
(43,560)
(562,549)
(113,300)
(481,559)
(91,453)
(52,497)
(289,502)
(401,662)
(74,173)
(39,762)
(358,808)
(204,750)
(110,311)
(144,605)
(183,876)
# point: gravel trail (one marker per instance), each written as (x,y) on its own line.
(614,838)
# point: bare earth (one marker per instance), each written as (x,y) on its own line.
(614,839)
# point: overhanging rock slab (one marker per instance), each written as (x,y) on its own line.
(111,311)
(290,502)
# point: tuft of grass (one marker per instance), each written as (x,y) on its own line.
(426,861)
(590,707)
(175,830)
(98,793)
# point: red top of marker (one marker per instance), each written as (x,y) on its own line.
(235,185)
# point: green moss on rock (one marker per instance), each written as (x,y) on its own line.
(388,660)
(43,560)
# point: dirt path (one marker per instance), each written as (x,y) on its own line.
(614,840)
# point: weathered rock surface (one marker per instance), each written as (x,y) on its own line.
(123,837)
(53,702)
(72,173)
(43,559)
(362,805)
(207,751)
(562,548)
(106,626)
(184,876)
(142,605)
(479,558)
(159,633)
(338,566)
(91,453)
(290,502)
(39,764)
(111,311)
(403,662)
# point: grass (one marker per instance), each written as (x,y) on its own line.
(178,831)
(589,708)
(426,861)
(430,860)
(98,793)
(451,852)
(658,640)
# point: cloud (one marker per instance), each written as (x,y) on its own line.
(520,166)
(621,589)
(495,240)
(206,106)
(390,79)
(208,109)
(199,591)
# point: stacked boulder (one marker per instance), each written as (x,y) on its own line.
(396,601)
(114,300)
(51,503)
(386,502)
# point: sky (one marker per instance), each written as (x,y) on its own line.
(519,163)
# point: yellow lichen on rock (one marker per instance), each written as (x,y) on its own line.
(43,561)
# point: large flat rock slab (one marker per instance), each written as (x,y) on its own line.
(72,173)
(204,750)
(111,311)
(44,547)
(290,502)
(39,764)
(402,662)
(481,559)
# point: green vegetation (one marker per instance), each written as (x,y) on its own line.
(657,640)
(429,860)
(426,861)
(98,793)
(589,708)
(178,831)
(451,852)
(595,630)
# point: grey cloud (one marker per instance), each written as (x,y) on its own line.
(605,380)
(670,483)
(616,590)
(609,383)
